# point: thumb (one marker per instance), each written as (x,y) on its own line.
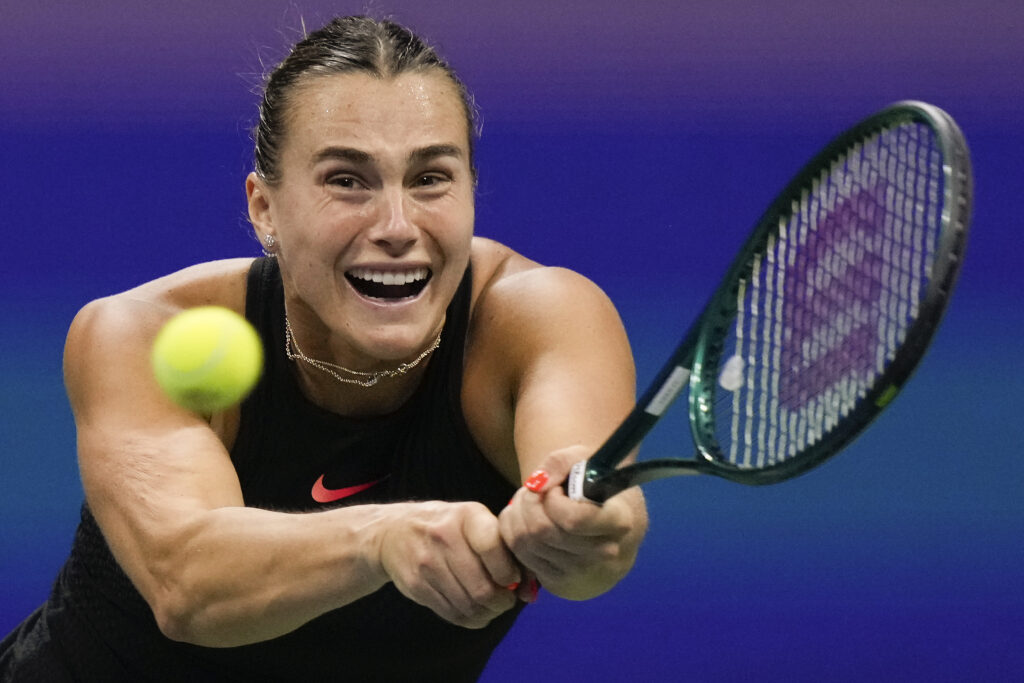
(554,468)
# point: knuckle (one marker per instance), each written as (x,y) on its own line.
(437,535)
(484,595)
(608,552)
(475,518)
(487,598)
(440,533)
(620,524)
(541,527)
(575,522)
(523,545)
(516,543)
(418,567)
(421,558)
(472,508)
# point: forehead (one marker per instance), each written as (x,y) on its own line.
(396,113)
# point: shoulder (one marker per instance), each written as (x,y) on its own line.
(515,294)
(112,335)
(509,281)
(220,283)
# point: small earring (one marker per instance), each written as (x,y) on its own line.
(269,241)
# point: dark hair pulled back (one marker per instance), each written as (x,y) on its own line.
(380,48)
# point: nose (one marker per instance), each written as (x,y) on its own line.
(396,231)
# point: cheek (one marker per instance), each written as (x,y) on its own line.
(320,234)
(447,222)
(459,240)
(460,223)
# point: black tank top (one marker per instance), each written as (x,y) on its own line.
(96,626)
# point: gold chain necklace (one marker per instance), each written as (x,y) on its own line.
(363,379)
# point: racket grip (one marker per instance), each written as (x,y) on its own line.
(583,485)
(574,482)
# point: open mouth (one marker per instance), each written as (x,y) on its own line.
(388,284)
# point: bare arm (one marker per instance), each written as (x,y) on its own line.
(162,487)
(572,382)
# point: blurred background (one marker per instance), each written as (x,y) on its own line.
(636,142)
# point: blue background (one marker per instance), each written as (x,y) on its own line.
(636,142)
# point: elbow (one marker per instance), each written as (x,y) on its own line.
(181,613)
(181,593)
(184,624)
(176,616)
(163,582)
(173,628)
(183,616)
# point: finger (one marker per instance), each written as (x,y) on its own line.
(427,591)
(439,602)
(535,540)
(525,524)
(538,482)
(475,599)
(528,590)
(447,590)
(611,520)
(552,519)
(483,535)
(553,470)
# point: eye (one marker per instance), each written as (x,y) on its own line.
(431,180)
(345,181)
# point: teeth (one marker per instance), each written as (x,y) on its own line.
(389,277)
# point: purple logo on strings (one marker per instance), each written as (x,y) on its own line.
(830,321)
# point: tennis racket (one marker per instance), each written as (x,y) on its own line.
(821,318)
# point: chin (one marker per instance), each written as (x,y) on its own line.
(398,346)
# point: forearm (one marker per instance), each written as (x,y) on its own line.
(241,575)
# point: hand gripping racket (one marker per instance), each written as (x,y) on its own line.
(823,315)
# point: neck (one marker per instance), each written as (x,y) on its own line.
(349,391)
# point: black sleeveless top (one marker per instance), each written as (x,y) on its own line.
(290,455)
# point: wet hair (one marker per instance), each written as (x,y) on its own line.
(380,48)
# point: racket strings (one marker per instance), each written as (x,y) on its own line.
(830,299)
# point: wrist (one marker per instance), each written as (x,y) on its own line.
(377,538)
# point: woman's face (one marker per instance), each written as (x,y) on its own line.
(373,213)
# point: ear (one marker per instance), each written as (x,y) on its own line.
(258,196)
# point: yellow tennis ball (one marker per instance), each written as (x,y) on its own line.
(207,358)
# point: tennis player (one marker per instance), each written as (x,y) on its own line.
(363,514)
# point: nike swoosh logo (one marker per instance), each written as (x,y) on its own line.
(322,494)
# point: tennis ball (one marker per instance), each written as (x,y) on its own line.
(207,358)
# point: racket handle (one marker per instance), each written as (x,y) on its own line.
(586,482)
(574,483)
(583,485)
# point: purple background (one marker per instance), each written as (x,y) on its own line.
(636,143)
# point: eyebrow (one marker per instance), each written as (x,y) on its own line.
(432,151)
(358,156)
